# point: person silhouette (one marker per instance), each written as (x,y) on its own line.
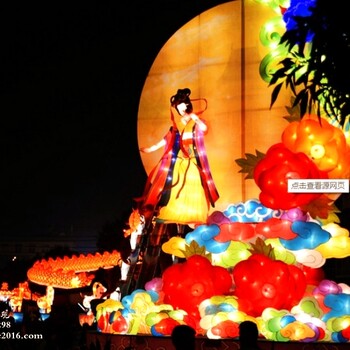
(181,184)
(183,337)
(248,336)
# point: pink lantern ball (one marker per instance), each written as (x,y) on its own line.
(327,287)
(294,214)
(217,218)
(154,285)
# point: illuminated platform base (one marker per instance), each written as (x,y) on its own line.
(139,342)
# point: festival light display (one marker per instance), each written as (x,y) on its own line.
(277,276)
(71,272)
(259,260)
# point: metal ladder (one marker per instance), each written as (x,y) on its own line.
(148,260)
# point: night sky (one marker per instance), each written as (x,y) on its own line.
(71,77)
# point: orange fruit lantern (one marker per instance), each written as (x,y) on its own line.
(322,142)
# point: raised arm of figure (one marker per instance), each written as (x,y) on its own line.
(200,123)
(153,148)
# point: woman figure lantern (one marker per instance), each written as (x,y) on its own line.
(181,188)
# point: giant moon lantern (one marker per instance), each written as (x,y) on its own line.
(217,55)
